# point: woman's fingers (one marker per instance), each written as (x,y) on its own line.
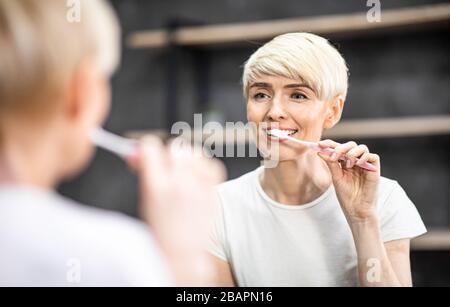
(342,149)
(348,154)
(333,166)
(153,160)
(370,158)
(354,154)
(195,160)
(328,144)
(339,149)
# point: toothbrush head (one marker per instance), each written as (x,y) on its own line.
(282,134)
(279,133)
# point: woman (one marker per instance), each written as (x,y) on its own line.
(314,219)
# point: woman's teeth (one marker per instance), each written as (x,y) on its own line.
(276,132)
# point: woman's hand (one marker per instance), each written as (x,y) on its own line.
(178,202)
(356,188)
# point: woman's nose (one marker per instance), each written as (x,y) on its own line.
(276,111)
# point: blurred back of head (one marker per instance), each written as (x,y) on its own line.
(56,57)
(41,46)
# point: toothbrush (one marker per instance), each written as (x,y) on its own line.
(123,147)
(314,146)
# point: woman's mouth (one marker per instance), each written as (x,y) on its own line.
(273,137)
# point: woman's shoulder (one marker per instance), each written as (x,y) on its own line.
(399,217)
(391,194)
(386,187)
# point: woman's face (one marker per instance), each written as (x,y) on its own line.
(286,104)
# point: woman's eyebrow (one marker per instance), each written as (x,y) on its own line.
(295,85)
(268,85)
(261,84)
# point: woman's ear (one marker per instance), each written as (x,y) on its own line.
(334,112)
(81,90)
(89,96)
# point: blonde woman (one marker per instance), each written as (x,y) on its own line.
(312,220)
(54,90)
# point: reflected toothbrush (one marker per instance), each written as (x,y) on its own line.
(122,147)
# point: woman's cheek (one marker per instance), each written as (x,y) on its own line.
(310,122)
(254,114)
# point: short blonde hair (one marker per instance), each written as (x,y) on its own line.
(41,48)
(301,56)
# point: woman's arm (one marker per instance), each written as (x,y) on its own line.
(224,277)
(380,264)
(178,206)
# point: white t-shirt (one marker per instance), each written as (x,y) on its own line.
(270,244)
(47,240)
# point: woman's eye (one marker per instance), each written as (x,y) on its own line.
(298,96)
(260,96)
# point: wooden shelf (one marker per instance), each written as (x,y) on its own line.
(391,127)
(344,24)
(433,240)
(349,129)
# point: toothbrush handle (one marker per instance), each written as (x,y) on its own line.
(329,151)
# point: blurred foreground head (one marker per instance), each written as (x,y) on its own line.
(56,58)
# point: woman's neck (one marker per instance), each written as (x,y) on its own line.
(28,161)
(298,181)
